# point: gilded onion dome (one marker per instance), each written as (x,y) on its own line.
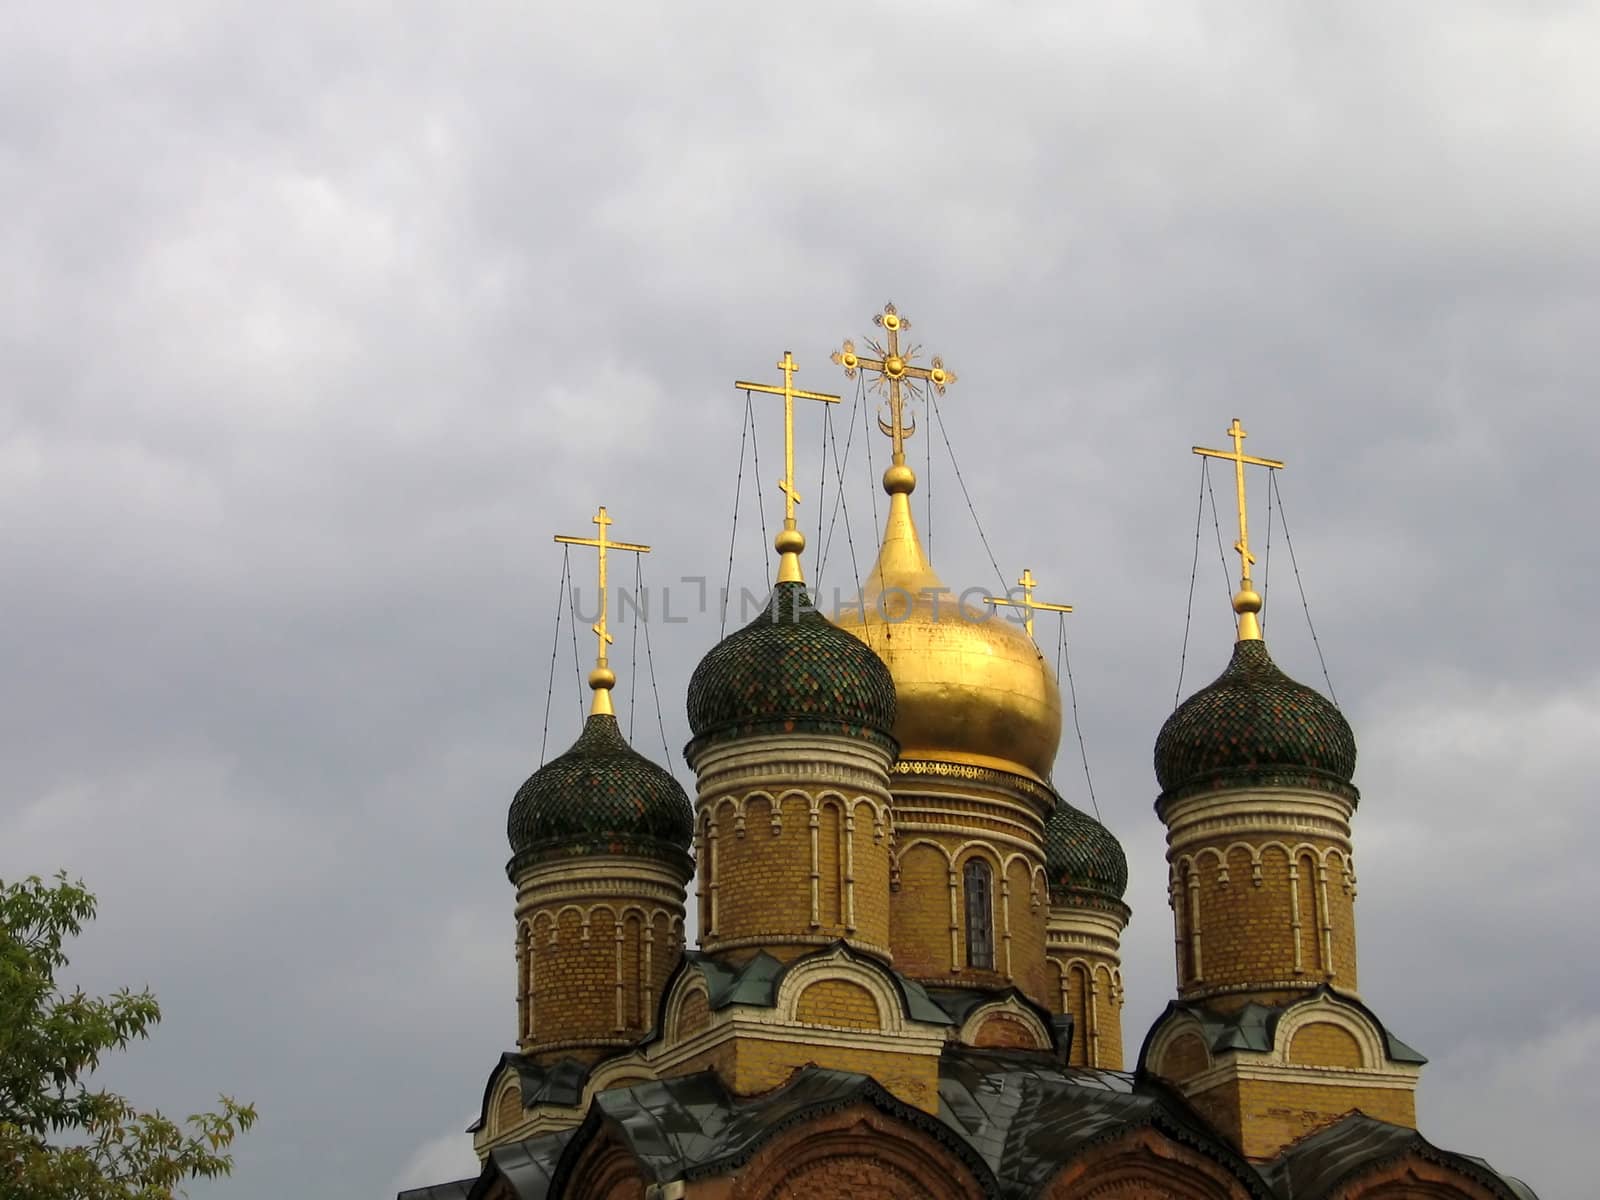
(600,797)
(790,669)
(1255,726)
(972,686)
(1082,858)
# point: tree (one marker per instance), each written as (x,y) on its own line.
(60,1139)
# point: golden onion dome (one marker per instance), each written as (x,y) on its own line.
(971,687)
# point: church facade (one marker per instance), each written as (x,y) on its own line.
(908,981)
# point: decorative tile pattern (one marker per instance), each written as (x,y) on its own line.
(1254,722)
(790,669)
(601,795)
(1081,855)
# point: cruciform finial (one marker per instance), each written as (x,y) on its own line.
(602,679)
(1247,601)
(790,541)
(891,368)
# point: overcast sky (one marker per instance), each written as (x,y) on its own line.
(316,322)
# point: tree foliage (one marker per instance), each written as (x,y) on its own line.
(60,1138)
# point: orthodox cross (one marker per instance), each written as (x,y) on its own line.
(790,541)
(1028,604)
(602,679)
(892,366)
(1247,603)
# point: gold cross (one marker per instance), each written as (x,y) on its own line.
(790,541)
(602,679)
(891,367)
(1028,604)
(1247,603)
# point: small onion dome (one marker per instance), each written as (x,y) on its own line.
(1255,726)
(790,669)
(600,797)
(1082,858)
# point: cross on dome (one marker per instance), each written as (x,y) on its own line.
(602,679)
(1247,601)
(790,541)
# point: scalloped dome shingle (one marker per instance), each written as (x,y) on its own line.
(1254,724)
(790,668)
(603,796)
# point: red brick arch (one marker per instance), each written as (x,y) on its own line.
(1414,1178)
(1144,1165)
(854,1155)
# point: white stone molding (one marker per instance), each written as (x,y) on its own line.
(1248,814)
(1175,1027)
(690,983)
(1009,1007)
(844,968)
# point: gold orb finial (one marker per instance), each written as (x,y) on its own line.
(899,480)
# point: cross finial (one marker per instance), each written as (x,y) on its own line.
(602,679)
(1247,601)
(790,541)
(891,369)
(1027,604)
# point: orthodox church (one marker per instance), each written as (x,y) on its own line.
(908,982)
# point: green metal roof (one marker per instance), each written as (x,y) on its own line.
(791,669)
(1255,726)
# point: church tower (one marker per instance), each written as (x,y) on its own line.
(1269,1037)
(791,752)
(978,723)
(1088,874)
(599,839)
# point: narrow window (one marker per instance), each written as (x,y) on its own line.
(979,886)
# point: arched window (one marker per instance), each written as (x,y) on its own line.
(978,883)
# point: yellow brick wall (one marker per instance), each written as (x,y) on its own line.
(760,1066)
(764,879)
(1080,996)
(1006,1032)
(1260,1117)
(838,1002)
(1322,1044)
(1185,1058)
(920,920)
(1029,914)
(1277,1113)
(574,979)
(919,915)
(694,1015)
(1247,932)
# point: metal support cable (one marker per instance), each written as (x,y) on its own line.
(1194,569)
(1064,658)
(633,653)
(838,498)
(841,503)
(555,648)
(655,691)
(733,536)
(577,669)
(761,509)
(1283,519)
(982,537)
(1222,554)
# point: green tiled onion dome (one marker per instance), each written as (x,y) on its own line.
(1255,726)
(790,669)
(1082,857)
(600,797)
